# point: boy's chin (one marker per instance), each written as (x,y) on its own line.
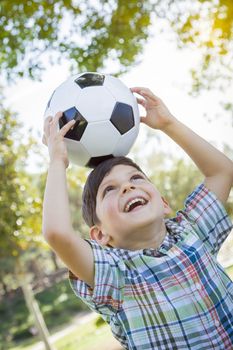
(143,221)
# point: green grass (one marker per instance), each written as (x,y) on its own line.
(86,336)
(58,305)
(26,345)
(229,271)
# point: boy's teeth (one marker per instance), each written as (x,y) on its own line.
(135,200)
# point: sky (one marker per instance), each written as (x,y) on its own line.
(162,68)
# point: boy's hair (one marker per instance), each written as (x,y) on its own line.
(93,182)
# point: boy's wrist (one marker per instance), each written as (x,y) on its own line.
(170,125)
(55,163)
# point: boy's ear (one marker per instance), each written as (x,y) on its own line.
(166,206)
(97,234)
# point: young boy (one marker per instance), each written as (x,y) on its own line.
(155,281)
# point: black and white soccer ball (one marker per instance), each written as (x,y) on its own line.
(106,114)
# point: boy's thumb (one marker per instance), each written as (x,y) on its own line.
(143,120)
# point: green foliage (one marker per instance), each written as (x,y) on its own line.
(86,33)
(207,27)
(20,202)
(9,185)
(176,182)
(90,35)
(99,322)
(57,303)
(76,178)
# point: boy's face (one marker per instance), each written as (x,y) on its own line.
(128,206)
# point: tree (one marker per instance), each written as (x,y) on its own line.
(20,202)
(86,33)
(76,178)
(89,34)
(205,26)
(20,208)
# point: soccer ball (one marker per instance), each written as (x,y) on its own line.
(106,114)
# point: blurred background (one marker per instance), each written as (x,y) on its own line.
(182,50)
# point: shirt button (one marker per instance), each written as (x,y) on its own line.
(216,322)
(196,287)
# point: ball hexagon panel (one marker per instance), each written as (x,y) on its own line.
(124,144)
(97,136)
(65,96)
(118,90)
(95,104)
(79,127)
(122,117)
(75,149)
(90,79)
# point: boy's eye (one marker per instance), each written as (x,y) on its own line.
(107,189)
(111,187)
(137,176)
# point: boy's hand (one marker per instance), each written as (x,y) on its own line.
(158,116)
(54,138)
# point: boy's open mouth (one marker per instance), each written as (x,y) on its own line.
(133,203)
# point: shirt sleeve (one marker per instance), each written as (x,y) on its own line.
(107,296)
(208,217)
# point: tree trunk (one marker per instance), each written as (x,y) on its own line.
(34,309)
(54,260)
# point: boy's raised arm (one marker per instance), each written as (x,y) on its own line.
(75,252)
(214,165)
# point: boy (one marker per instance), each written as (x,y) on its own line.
(155,281)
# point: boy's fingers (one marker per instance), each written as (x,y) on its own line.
(67,127)
(143,120)
(145,92)
(139,89)
(44,140)
(149,95)
(54,122)
(46,123)
(141,101)
(136,89)
(58,115)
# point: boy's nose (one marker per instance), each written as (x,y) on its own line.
(127,187)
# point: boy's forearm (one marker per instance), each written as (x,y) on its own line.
(208,159)
(56,214)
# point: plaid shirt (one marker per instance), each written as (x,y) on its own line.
(174,297)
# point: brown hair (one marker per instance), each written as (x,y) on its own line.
(93,182)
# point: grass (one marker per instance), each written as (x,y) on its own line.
(81,337)
(86,337)
(26,345)
(229,271)
(58,305)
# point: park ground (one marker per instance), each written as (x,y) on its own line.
(83,333)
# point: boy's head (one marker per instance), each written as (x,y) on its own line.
(92,185)
(121,205)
